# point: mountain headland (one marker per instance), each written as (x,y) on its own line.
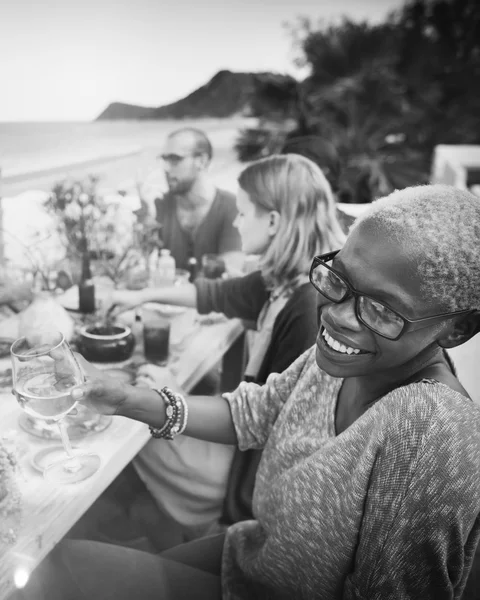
(226,95)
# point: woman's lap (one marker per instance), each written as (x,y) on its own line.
(204,554)
(81,570)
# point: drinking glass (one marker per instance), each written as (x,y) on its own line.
(156,335)
(45,372)
(213,266)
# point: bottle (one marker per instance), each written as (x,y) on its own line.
(138,355)
(153,267)
(192,269)
(86,289)
(166,268)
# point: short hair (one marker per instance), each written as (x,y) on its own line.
(440,225)
(202,144)
(297,189)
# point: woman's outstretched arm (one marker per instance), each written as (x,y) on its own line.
(114,302)
(209,418)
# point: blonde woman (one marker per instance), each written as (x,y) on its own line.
(286,215)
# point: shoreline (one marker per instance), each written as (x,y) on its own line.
(114,168)
(47,171)
(138,156)
(43,145)
(24,220)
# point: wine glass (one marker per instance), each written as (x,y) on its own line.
(45,373)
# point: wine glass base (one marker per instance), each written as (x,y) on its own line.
(73,470)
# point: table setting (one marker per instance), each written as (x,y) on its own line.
(36,510)
(114,349)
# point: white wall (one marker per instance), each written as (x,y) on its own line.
(467,362)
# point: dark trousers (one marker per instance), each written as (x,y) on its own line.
(84,570)
(126,514)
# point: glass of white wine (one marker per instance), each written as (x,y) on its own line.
(45,373)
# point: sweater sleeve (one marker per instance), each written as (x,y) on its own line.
(240,297)
(255,408)
(421,523)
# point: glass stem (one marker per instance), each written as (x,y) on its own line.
(73,464)
(65,439)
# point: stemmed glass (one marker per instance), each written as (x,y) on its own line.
(45,373)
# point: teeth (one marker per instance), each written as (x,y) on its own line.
(337,346)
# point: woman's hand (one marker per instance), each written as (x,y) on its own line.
(114,302)
(156,377)
(101,393)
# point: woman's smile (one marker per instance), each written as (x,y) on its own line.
(339,346)
(335,348)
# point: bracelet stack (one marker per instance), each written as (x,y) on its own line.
(176,415)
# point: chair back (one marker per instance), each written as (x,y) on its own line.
(466,359)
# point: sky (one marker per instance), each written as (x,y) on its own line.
(66,60)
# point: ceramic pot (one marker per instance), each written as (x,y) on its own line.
(114,343)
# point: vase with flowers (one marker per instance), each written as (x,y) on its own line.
(99,241)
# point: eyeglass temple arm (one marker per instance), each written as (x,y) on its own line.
(427,321)
(328,256)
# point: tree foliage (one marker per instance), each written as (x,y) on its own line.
(384,94)
(439,60)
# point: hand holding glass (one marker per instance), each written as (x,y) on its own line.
(45,373)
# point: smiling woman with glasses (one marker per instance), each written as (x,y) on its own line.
(369,482)
(376,315)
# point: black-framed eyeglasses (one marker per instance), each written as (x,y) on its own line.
(375,315)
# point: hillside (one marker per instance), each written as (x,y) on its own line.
(119,110)
(227,94)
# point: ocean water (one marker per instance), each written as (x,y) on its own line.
(26,147)
(51,151)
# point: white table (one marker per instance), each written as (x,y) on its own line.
(49,511)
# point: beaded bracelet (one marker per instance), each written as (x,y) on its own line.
(185,414)
(170,412)
(176,415)
(180,427)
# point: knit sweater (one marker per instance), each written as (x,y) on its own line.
(389,508)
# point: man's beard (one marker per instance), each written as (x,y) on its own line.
(180,187)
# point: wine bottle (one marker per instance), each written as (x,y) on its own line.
(86,289)
(192,269)
(138,355)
